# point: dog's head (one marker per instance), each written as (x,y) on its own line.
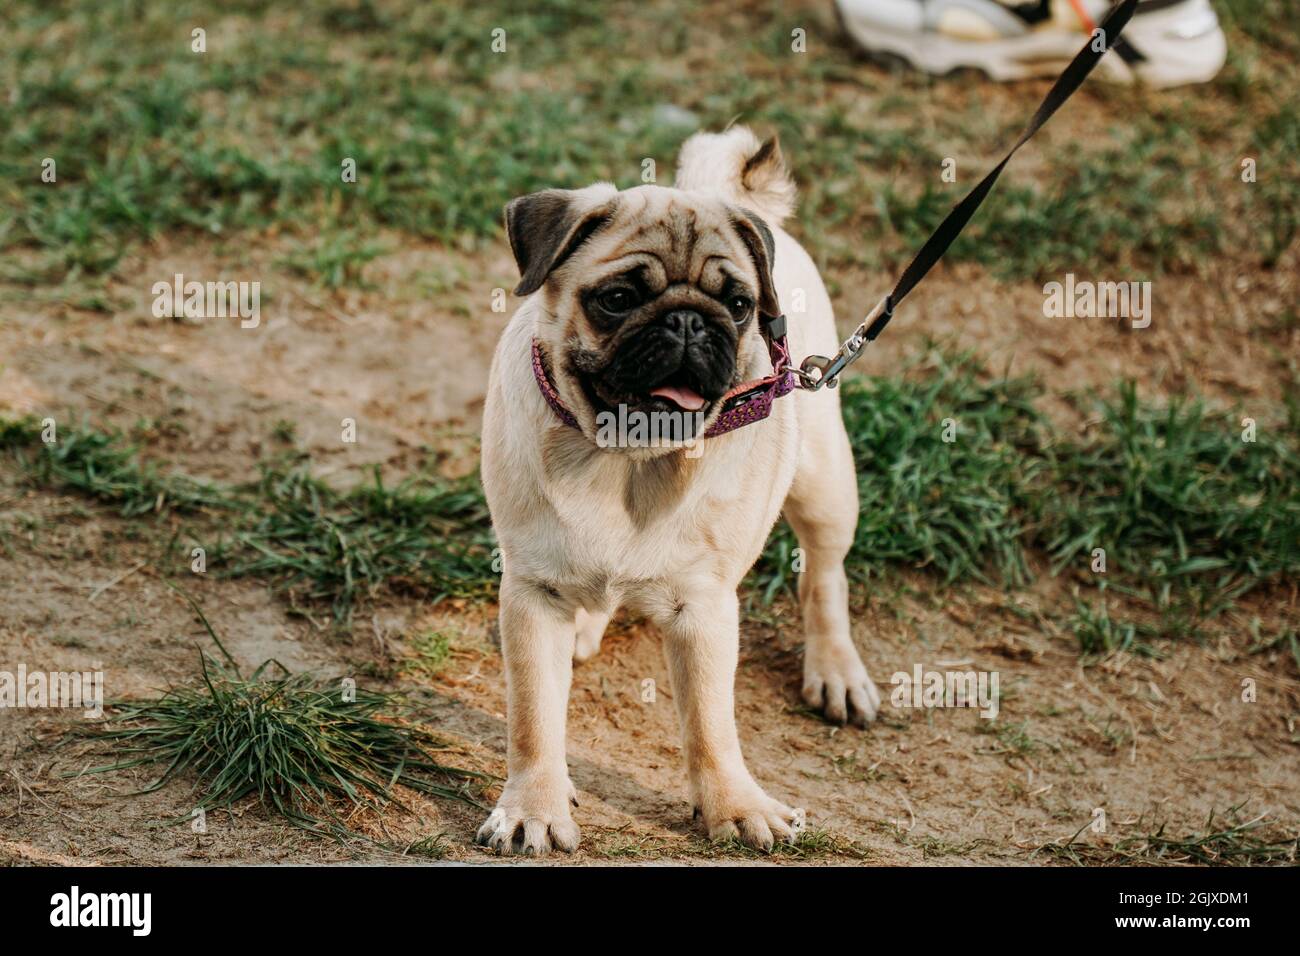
(651,297)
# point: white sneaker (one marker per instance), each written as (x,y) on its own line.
(1167,43)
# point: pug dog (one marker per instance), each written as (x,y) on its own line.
(642,302)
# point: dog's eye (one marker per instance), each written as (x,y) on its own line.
(617,300)
(739,306)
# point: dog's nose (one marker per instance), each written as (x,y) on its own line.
(687,323)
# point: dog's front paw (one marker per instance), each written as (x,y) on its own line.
(531,821)
(836,682)
(748,814)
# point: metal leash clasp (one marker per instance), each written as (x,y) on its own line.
(818,370)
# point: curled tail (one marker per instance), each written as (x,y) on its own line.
(743,170)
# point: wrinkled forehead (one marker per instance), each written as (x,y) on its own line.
(672,237)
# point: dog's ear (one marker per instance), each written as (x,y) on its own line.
(757,238)
(546,227)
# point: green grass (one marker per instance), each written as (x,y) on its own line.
(1287,639)
(950,506)
(433,847)
(105,466)
(152,139)
(430,652)
(810,844)
(1124,203)
(335,259)
(1097,632)
(1177,500)
(1190,516)
(1267,22)
(426,535)
(308,752)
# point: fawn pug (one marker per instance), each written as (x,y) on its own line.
(650,301)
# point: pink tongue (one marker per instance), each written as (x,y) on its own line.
(682,397)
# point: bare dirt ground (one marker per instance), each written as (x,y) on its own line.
(1149,741)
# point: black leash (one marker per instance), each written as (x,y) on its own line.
(818,370)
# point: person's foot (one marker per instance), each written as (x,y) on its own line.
(1167,43)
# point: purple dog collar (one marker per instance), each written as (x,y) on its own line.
(548,390)
(745,404)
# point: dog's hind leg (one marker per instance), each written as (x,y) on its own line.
(591,628)
(822,507)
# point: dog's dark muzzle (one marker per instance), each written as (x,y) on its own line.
(683,348)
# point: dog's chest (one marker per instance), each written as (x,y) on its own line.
(641,520)
(619,525)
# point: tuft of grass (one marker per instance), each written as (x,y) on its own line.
(1285,639)
(1250,843)
(1099,633)
(933,848)
(434,847)
(428,536)
(306,751)
(430,652)
(107,466)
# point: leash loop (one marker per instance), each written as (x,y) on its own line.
(818,370)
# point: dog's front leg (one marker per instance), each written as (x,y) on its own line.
(537,637)
(701,641)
